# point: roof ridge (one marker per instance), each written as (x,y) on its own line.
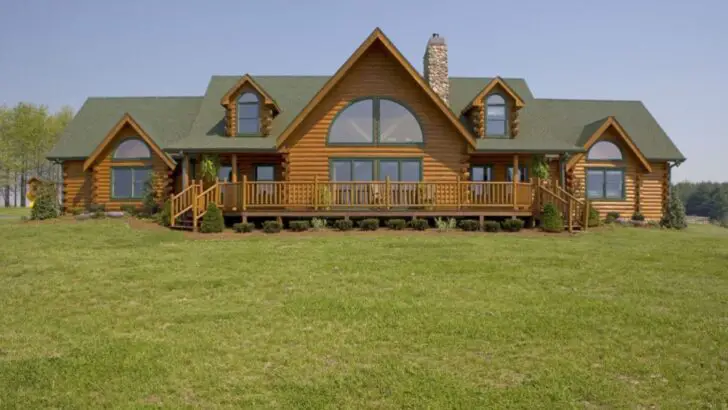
(273,75)
(586,100)
(166,97)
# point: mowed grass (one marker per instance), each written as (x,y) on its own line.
(96,314)
(14,212)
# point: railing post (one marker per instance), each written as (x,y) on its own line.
(571,216)
(587,211)
(387,199)
(516,177)
(315,193)
(457,192)
(245,192)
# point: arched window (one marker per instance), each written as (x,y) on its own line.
(132,148)
(375,121)
(496,116)
(604,151)
(248,114)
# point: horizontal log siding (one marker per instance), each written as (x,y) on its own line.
(651,192)
(76,185)
(102,173)
(501,162)
(444,154)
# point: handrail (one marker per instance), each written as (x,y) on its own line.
(211,194)
(181,203)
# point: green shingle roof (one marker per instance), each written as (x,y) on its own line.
(197,123)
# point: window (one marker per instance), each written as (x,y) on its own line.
(523,176)
(375,120)
(496,117)
(225,173)
(248,114)
(399,170)
(128,182)
(604,151)
(481,173)
(265,173)
(132,148)
(605,183)
(404,170)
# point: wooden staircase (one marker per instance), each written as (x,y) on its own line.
(574,210)
(190,205)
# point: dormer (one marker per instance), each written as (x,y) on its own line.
(493,113)
(249,109)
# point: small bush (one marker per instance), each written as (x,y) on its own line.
(369,224)
(212,220)
(593,217)
(150,203)
(469,225)
(492,226)
(612,217)
(444,225)
(637,216)
(551,219)
(45,205)
(653,224)
(165,214)
(512,225)
(93,208)
(319,223)
(244,227)
(299,226)
(344,224)
(419,224)
(396,224)
(674,217)
(76,211)
(272,226)
(98,215)
(129,209)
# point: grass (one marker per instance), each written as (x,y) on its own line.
(97,314)
(14,212)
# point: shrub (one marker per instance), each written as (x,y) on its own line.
(593,216)
(674,217)
(165,214)
(551,219)
(637,216)
(469,225)
(76,211)
(512,225)
(318,224)
(653,224)
(244,227)
(212,220)
(444,225)
(272,226)
(419,224)
(369,224)
(129,209)
(396,224)
(93,208)
(299,226)
(344,224)
(612,217)
(46,204)
(98,215)
(492,226)
(150,204)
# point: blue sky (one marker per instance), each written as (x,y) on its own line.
(671,55)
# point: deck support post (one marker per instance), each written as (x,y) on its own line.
(245,191)
(185,171)
(570,219)
(481,220)
(315,193)
(279,219)
(586,213)
(387,199)
(516,178)
(458,193)
(235,168)
(244,218)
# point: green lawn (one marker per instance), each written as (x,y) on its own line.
(97,314)
(14,212)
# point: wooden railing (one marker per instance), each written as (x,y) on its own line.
(574,210)
(182,203)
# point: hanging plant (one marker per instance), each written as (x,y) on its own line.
(540,167)
(209,167)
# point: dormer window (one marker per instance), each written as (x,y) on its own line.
(248,114)
(496,116)
(132,148)
(604,151)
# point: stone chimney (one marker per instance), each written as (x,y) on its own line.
(435,66)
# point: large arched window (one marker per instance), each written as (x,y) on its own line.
(496,116)
(248,114)
(132,148)
(375,121)
(604,151)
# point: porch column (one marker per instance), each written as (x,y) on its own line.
(516,178)
(235,168)
(185,171)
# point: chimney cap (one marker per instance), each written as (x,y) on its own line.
(436,39)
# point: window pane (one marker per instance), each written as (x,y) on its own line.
(594,183)
(264,173)
(225,173)
(495,99)
(248,97)
(388,169)
(604,150)
(132,148)
(478,174)
(354,124)
(141,176)
(342,171)
(524,174)
(614,184)
(410,171)
(363,170)
(122,186)
(248,126)
(397,124)
(248,111)
(495,127)
(497,112)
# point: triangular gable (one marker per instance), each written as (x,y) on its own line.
(376,36)
(127,120)
(517,100)
(247,79)
(594,137)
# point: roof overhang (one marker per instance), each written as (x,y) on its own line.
(247,79)
(496,82)
(611,122)
(377,36)
(125,120)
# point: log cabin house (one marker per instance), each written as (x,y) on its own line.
(376,138)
